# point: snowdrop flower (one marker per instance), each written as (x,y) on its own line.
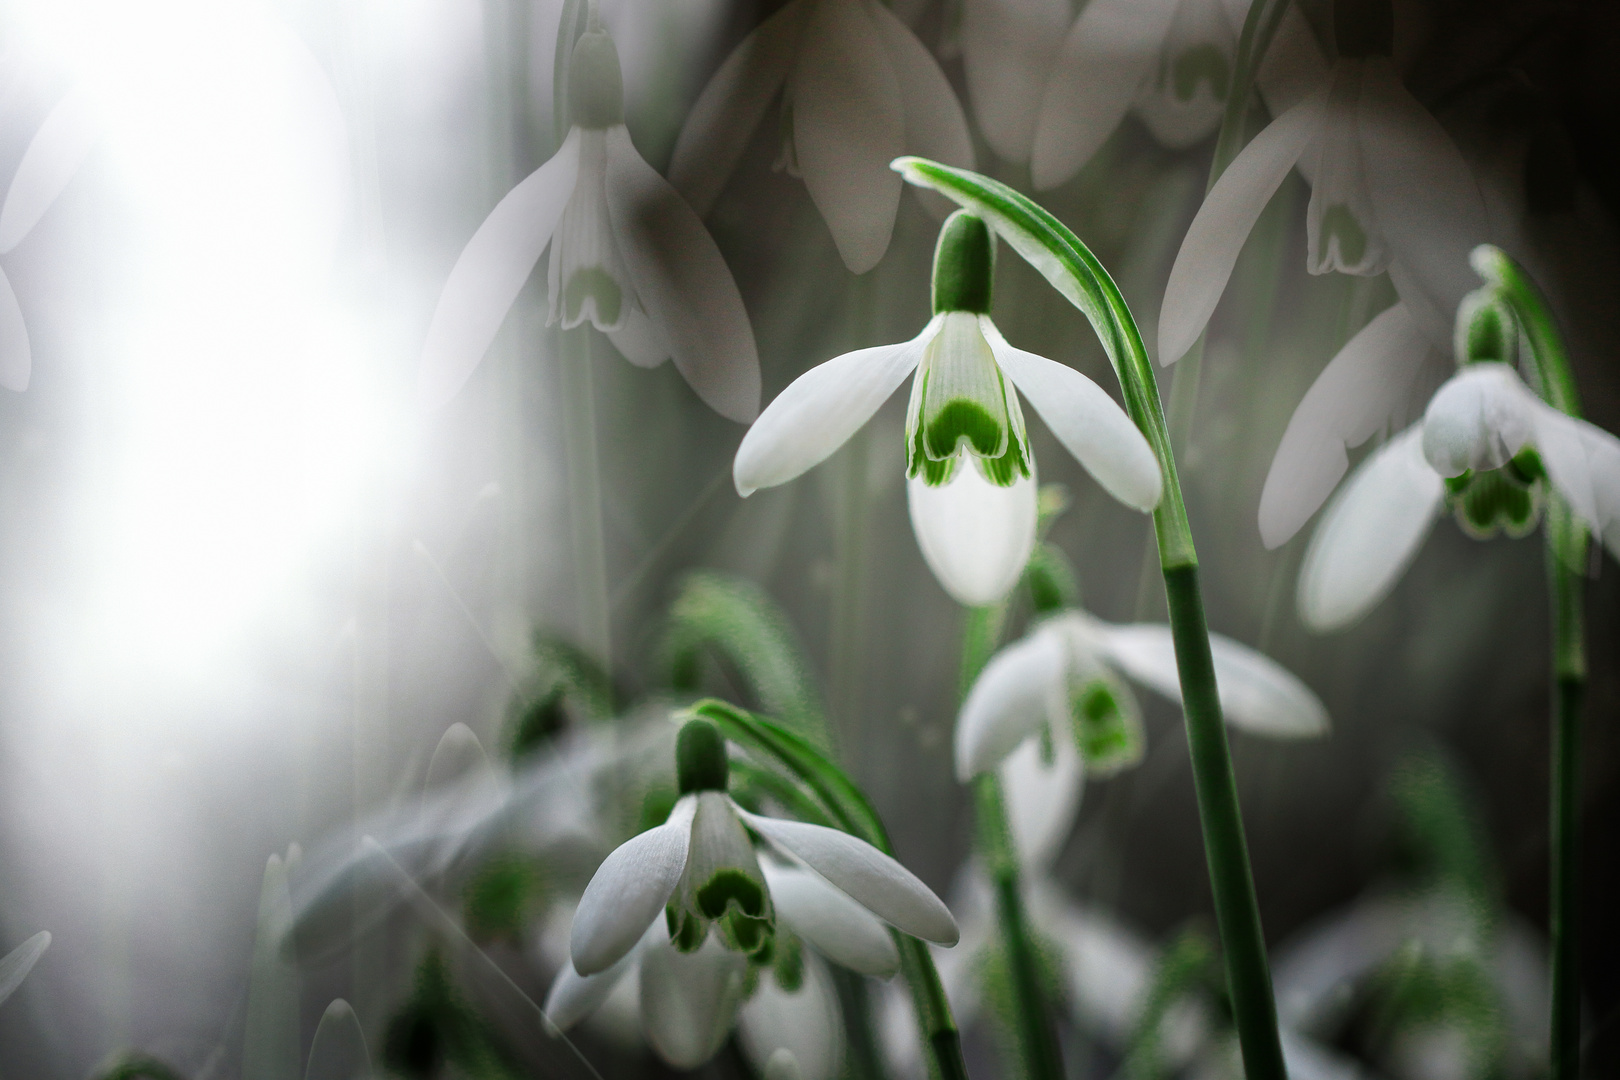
(720,908)
(1486,446)
(857,91)
(971,474)
(627,254)
(1063,682)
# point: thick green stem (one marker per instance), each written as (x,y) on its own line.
(940,1037)
(585,496)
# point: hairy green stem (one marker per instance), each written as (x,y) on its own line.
(1075,272)
(585,496)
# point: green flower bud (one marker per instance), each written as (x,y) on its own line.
(964,265)
(1486,329)
(595,83)
(700,758)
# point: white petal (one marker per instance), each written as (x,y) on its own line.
(1008,702)
(573,996)
(1370,532)
(17,963)
(844,931)
(16,358)
(458,756)
(689,1000)
(339,1050)
(629,890)
(60,146)
(1478,419)
(1216,236)
(1257,694)
(1341,223)
(1042,798)
(876,881)
(1583,463)
(847,126)
(638,340)
(1007,51)
(1357,394)
(821,409)
(491,272)
(1085,420)
(975,536)
(1109,51)
(270,1041)
(1429,207)
(935,126)
(806,1025)
(683,282)
(731,106)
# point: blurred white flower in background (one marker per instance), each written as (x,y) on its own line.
(1466,451)
(627,254)
(857,90)
(16,964)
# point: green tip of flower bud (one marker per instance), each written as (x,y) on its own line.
(700,758)
(1486,329)
(1363,28)
(964,265)
(595,83)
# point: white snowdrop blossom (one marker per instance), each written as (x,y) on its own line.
(1485,446)
(721,909)
(1063,682)
(628,255)
(857,90)
(971,484)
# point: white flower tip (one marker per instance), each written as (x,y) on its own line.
(1488,262)
(783,1065)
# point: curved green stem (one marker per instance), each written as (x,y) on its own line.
(1566,556)
(1071,268)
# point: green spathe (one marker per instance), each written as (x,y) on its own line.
(964,265)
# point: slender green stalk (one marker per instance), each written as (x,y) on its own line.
(1074,271)
(585,496)
(1566,556)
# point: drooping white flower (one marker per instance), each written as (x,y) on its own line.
(627,254)
(1063,681)
(971,474)
(857,90)
(1466,451)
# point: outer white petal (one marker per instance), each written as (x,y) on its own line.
(573,996)
(629,890)
(876,881)
(1257,694)
(1429,207)
(638,340)
(1478,419)
(1042,797)
(848,125)
(1009,701)
(1085,420)
(1007,51)
(1583,463)
(1356,395)
(731,106)
(52,159)
(821,409)
(16,964)
(16,358)
(683,282)
(491,272)
(339,1050)
(975,536)
(1109,51)
(935,125)
(689,1000)
(1216,236)
(844,931)
(806,1024)
(1369,534)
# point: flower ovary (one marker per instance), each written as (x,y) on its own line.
(700,758)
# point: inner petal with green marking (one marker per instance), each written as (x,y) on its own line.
(1499,500)
(962,404)
(1107,721)
(722,886)
(587,278)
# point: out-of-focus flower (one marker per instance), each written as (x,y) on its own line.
(627,254)
(857,91)
(971,473)
(1485,445)
(16,964)
(1063,681)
